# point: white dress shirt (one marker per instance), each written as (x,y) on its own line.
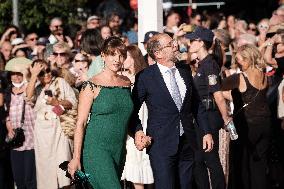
(180,82)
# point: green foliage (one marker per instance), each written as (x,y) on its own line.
(35,15)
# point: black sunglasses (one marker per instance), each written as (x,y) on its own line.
(59,54)
(43,72)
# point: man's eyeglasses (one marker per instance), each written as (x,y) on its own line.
(58,26)
(59,54)
(171,44)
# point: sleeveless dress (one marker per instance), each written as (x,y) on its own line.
(104,143)
(248,154)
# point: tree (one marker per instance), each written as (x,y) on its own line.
(35,15)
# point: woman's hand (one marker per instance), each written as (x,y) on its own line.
(11,132)
(36,69)
(73,166)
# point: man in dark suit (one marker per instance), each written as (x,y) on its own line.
(173,103)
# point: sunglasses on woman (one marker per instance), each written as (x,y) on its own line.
(43,72)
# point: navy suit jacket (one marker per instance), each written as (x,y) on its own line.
(163,123)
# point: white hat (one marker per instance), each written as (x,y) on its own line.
(94,17)
(17,41)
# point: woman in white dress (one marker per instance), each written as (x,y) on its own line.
(137,167)
(52,146)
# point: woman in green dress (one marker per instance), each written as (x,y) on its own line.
(107,98)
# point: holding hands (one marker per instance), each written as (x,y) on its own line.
(141,140)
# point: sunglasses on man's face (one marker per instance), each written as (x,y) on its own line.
(59,54)
(58,26)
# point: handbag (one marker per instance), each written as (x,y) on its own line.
(19,136)
(81,179)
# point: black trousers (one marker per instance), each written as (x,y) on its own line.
(209,160)
(23,167)
(6,177)
(175,171)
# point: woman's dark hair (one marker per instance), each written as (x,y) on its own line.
(217,52)
(91,41)
(111,17)
(17,31)
(114,44)
(24,50)
(2,62)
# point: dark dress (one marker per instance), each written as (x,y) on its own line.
(248,154)
(105,138)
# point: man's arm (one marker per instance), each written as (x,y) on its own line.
(136,128)
(138,97)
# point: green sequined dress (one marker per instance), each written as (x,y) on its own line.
(104,143)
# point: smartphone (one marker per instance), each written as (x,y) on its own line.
(48,93)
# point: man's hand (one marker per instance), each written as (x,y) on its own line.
(208,143)
(141,140)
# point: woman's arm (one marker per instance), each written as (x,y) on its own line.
(221,103)
(268,51)
(86,99)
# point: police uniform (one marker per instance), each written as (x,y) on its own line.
(207,81)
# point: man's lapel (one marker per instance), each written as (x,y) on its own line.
(184,75)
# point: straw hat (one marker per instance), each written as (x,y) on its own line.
(19,64)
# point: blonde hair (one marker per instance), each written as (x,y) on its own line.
(62,45)
(251,54)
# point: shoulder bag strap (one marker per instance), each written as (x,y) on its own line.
(23,114)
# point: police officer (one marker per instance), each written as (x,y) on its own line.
(207,82)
